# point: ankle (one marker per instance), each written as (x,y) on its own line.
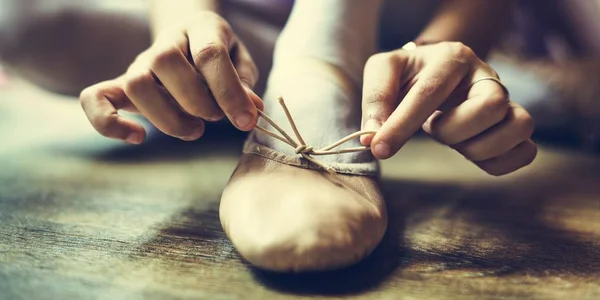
(291,71)
(316,92)
(342,33)
(322,99)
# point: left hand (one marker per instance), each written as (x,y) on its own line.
(430,87)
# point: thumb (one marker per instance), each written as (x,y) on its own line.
(101,103)
(381,88)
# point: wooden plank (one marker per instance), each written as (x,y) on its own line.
(80,219)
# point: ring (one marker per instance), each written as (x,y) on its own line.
(409,46)
(494,79)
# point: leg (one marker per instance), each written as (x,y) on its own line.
(258,30)
(65,46)
(282,217)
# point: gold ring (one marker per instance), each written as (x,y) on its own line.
(494,79)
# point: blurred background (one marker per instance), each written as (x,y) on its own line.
(549,57)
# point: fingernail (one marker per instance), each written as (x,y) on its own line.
(134,138)
(381,150)
(244,119)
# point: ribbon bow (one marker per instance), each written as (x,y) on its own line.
(302,148)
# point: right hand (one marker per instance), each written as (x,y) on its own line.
(196,71)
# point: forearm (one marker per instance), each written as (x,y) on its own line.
(163,13)
(476,23)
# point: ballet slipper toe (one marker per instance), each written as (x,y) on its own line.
(286,218)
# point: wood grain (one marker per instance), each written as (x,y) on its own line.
(85,218)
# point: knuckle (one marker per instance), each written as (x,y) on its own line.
(224,29)
(496,106)
(90,95)
(165,57)
(460,52)
(525,122)
(104,124)
(137,82)
(210,52)
(87,95)
(140,60)
(385,58)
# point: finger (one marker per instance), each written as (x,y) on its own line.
(255,99)
(381,89)
(210,53)
(517,127)
(247,72)
(470,118)
(436,82)
(516,158)
(144,92)
(244,65)
(100,103)
(179,77)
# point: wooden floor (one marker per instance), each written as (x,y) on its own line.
(86,218)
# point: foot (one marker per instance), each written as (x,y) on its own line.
(286,218)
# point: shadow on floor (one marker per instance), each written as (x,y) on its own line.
(219,138)
(519,237)
(517,231)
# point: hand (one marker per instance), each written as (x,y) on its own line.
(430,87)
(198,70)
